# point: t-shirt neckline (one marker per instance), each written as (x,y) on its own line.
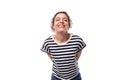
(63,42)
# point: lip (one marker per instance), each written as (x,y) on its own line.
(61,26)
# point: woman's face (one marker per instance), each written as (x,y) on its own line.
(61,23)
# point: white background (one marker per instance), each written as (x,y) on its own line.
(24,24)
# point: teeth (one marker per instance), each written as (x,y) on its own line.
(61,25)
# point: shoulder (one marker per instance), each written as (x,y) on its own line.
(48,40)
(74,36)
(78,40)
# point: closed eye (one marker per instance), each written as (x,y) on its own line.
(65,20)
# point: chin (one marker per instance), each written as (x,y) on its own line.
(62,31)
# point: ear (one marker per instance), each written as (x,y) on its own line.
(53,28)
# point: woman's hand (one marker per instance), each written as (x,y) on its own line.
(78,54)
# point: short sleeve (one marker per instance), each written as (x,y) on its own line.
(45,47)
(81,44)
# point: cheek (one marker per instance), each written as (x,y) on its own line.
(68,25)
(54,27)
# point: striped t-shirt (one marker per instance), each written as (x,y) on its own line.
(65,65)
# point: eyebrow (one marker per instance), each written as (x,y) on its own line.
(63,18)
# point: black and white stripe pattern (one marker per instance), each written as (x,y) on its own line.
(65,64)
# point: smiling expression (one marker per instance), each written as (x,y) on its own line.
(61,23)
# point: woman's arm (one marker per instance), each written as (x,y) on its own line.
(78,54)
(49,55)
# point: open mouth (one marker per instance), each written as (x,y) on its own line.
(61,26)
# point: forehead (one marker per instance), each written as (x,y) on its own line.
(61,15)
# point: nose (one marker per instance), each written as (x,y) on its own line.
(61,21)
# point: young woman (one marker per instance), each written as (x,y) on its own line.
(63,48)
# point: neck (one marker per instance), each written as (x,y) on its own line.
(61,38)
